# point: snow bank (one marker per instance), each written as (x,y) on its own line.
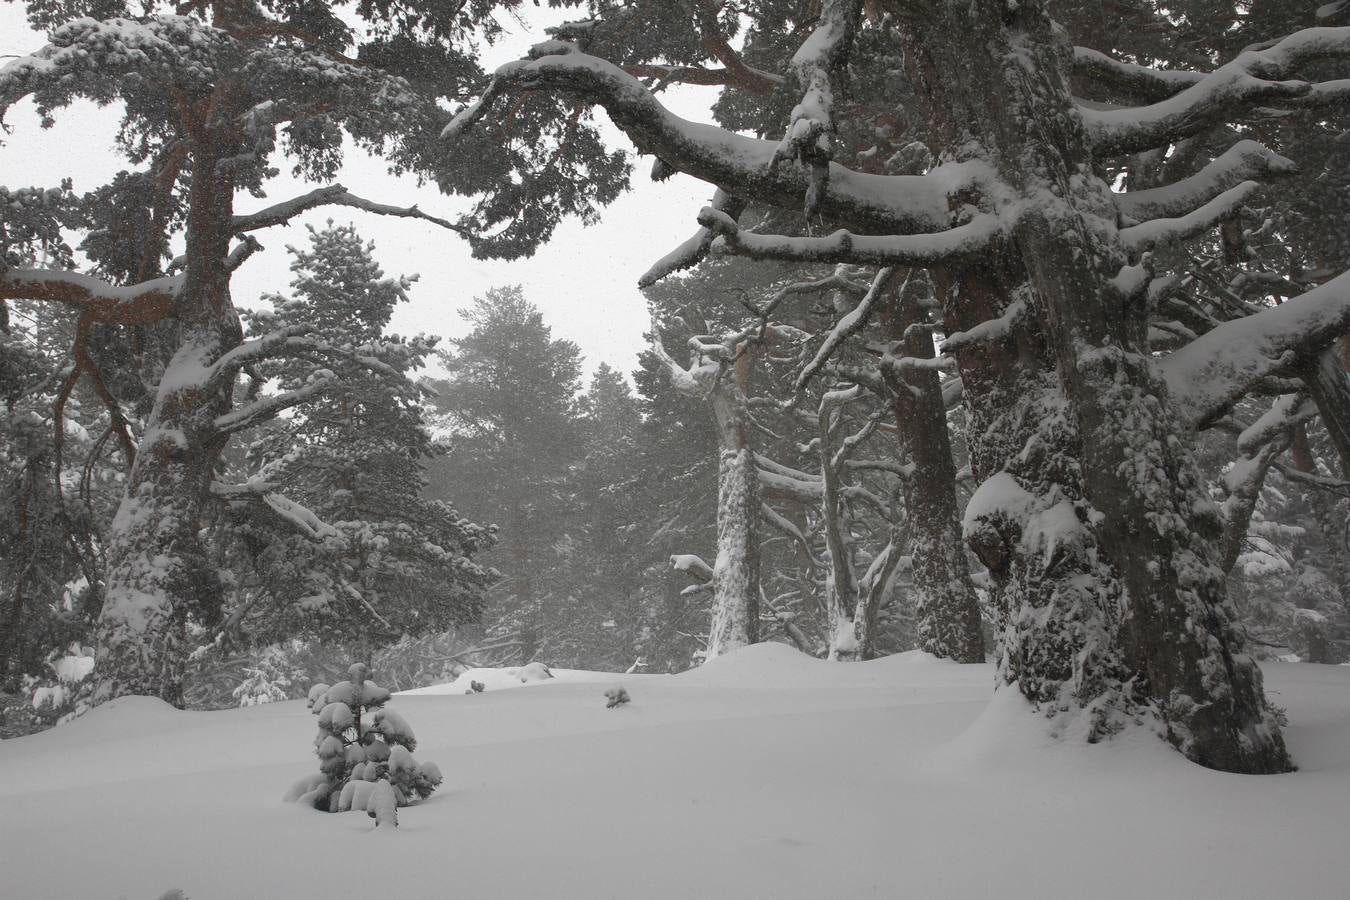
(763,774)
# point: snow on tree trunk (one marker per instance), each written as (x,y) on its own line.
(841,586)
(944,596)
(1143,503)
(735,617)
(158,570)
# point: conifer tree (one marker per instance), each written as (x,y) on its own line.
(387,562)
(213,95)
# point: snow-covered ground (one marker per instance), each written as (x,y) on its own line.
(764,774)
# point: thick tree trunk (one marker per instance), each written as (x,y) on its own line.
(735,613)
(158,571)
(1145,507)
(944,597)
(1329,386)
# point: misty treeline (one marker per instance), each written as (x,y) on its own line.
(1010,329)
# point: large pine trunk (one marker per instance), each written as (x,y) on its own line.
(1143,510)
(159,574)
(947,607)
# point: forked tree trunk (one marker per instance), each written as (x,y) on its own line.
(158,570)
(947,607)
(1004,76)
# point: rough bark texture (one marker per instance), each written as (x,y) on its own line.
(841,584)
(1329,387)
(944,596)
(1004,71)
(157,568)
(735,615)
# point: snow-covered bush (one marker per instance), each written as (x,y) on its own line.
(365,752)
(58,698)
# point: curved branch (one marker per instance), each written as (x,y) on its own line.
(953,245)
(1214,370)
(1141,81)
(1243,161)
(739,165)
(695,249)
(1145,236)
(332,195)
(1244,84)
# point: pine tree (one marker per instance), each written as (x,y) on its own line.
(365,752)
(509,410)
(388,562)
(213,94)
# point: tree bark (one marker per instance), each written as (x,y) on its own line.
(158,570)
(1144,508)
(735,614)
(947,607)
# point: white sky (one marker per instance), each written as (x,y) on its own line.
(584,281)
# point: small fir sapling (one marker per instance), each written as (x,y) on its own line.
(365,752)
(616,696)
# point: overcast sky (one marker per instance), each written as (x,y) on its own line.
(584,280)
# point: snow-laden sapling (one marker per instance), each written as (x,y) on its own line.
(616,696)
(365,753)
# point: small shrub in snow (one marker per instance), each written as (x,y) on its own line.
(476,687)
(616,696)
(365,753)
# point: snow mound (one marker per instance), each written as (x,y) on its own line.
(512,677)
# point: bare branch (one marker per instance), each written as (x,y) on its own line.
(332,195)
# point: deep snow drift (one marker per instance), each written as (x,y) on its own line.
(763,774)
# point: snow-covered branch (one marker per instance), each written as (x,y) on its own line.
(137,304)
(811,130)
(950,246)
(1243,161)
(294,515)
(1211,372)
(332,195)
(1148,235)
(848,325)
(1248,82)
(1141,81)
(740,165)
(268,407)
(693,250)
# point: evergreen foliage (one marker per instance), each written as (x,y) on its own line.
(365,752)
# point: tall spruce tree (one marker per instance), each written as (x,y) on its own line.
(510,415)
(387,562)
